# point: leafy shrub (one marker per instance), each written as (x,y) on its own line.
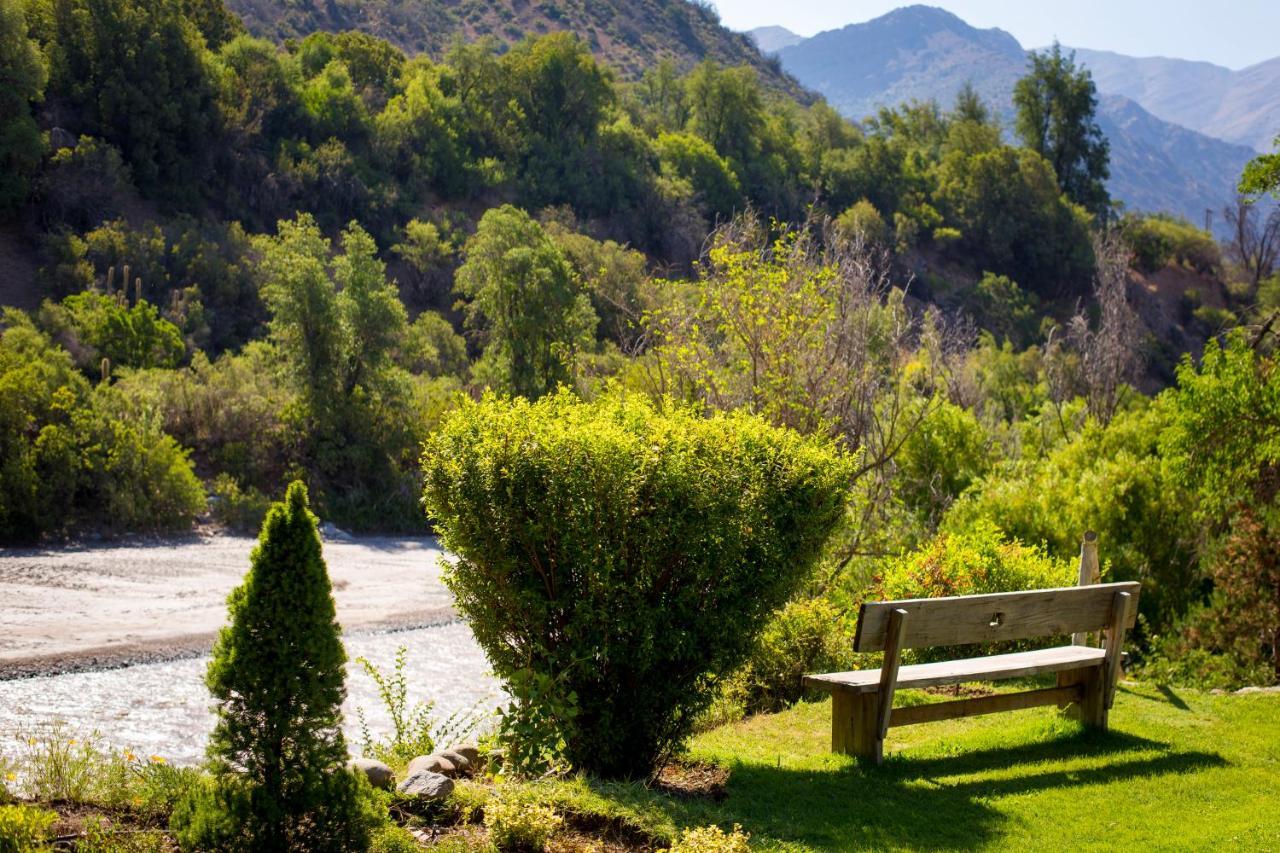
(1158,240)
(712,839)
(803,637)
(241,509)
(865,222)
(975,562)
(628,552)
(531,726)
(393,839)
(414,731)
(95,326)
(24,828)
(519,823)
(1113,480)
(75,456)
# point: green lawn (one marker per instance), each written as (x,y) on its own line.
(1180,770)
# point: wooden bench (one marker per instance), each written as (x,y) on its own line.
(862,702)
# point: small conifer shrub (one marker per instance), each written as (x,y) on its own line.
(277,751)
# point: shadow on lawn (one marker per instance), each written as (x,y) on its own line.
(928,802)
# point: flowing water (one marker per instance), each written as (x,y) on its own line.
(163,708)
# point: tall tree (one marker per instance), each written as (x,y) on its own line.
(277,750)
(22,79)
(526,300)
(1255,239)
(1057,105)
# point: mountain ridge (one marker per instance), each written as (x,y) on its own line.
(1241,106)
(631,35)
(921,53)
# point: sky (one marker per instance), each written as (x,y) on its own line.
(1234,33)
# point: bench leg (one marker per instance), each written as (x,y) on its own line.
(1092,707)
(853,726)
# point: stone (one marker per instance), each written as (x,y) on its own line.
(459,761)
(426,785)
(1245,691)
(469,751)
(378,774)
(333,533)
(433,763)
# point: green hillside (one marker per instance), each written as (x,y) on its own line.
(631,35)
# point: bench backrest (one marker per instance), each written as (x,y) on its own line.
(994,618)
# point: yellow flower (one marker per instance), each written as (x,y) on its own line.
(157,759)
(11,776)
(71,742)
(31,741)
(129,756)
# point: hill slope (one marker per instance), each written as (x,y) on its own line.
(1238,106)
(631,35)
(920,52)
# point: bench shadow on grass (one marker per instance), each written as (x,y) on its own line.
(927,802)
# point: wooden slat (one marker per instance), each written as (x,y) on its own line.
(985,705)
(1120,613)
(889,672)
(993,618)
(1090,574)
(991,668)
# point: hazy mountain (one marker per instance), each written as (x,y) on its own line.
(1238,106)
(921,53)
(631,35)
(774,39)
(913,53)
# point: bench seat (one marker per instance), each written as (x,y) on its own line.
(990,668)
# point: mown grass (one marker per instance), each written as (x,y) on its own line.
(1179,770)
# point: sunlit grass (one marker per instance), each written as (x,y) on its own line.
(1178,771)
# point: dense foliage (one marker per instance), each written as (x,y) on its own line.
(566,514)
(247,257)
(277,751)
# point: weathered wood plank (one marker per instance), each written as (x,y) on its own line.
(993,618)
(975,706)
(991,668)
(889,672)
(1120,613)
(1090,574)
(853,721)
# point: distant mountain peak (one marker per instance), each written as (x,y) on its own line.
(774,39)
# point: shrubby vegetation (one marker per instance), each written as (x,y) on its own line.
(565,514)
(675,294)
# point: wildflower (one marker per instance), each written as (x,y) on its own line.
(157,759)
(11,776)
(129,756)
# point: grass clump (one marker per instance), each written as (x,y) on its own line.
(712,839)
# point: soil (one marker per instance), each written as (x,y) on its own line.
(97,606)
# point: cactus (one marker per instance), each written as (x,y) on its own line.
(111,279)
(137,289)
(106,369)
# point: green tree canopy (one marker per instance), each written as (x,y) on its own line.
(526,301)
(1057,104)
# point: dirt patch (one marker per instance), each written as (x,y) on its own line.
(693,779)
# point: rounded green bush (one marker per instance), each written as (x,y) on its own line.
(627,553)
